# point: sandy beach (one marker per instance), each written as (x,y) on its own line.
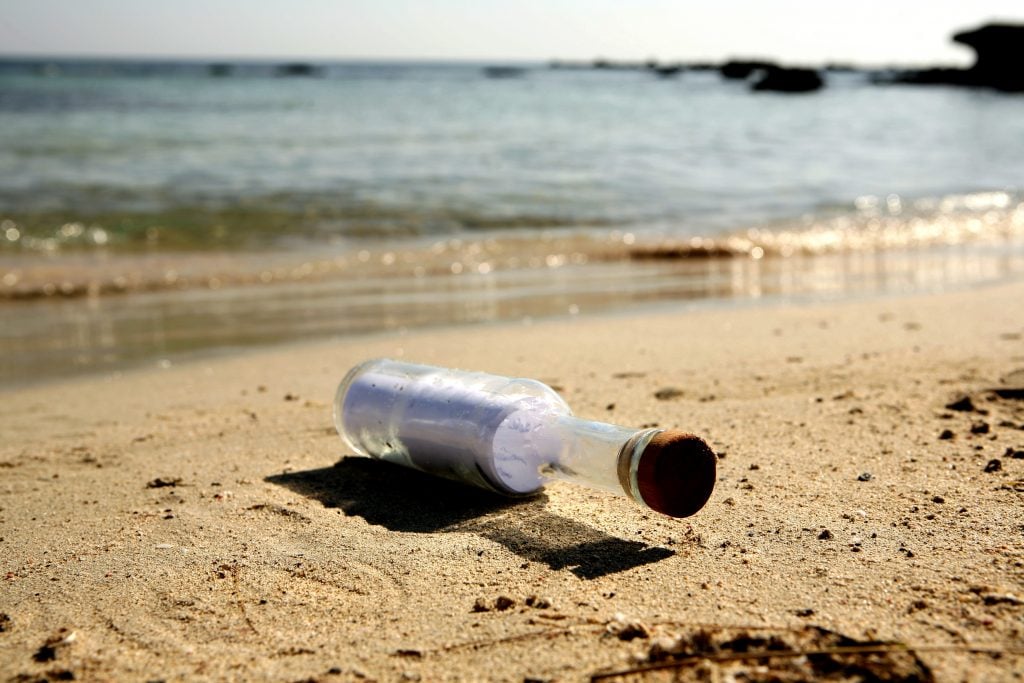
(202,521)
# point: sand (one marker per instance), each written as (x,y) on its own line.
(202,521)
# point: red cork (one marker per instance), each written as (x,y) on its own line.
(676,473)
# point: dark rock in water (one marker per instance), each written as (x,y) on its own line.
(220,69)
(779,79)
(841,67)
(298,69)
(700,66)
(1000,60)
(666,70)
(504,71)
(740,69)
(999,63)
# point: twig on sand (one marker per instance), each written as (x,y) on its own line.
(773,654)
(487,642)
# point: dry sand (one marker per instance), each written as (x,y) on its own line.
(274,557)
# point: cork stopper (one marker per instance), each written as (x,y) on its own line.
(676,473)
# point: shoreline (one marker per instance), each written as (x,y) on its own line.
(275,557)
(55,336)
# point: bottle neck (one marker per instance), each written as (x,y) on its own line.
(595,454)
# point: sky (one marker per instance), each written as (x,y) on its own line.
(869,32)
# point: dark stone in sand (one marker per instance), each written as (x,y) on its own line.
(668,393)
(963,404)
(1017,454)
(979,428)
(825,535)
(538,602)
(46,653)
(994,465)
(1015,394)
(938,499)
(160,482)
(503,603)
(780,79)
(946,434)
(865,476)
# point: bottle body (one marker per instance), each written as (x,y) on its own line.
(505,434)
(443,421)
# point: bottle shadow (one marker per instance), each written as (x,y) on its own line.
(402,499)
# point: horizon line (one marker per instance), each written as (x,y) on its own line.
(240,58)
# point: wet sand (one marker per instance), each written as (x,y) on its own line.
(201,522)
(221,303)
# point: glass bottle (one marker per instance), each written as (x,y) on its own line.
(513,435)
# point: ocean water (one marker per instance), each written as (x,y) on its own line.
(375,187)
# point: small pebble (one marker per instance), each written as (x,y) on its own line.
(825,535)
(865,476)
(994,465)
(538,602)
(503,603)
(938,499)
(946,434)
(668,393)
(979,428)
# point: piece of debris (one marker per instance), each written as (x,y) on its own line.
(162,482)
